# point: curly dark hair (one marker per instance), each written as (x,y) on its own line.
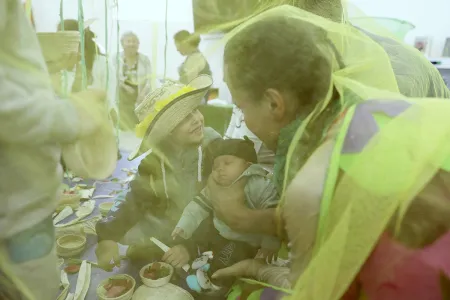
(293,57)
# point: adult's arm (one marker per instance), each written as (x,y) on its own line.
(123,216)
(149,71)
(30,113)
(140,198)
(302,208)
(300,215)
(273,275)
(229,206)
(193,215)
(145,83)
(35,117)
(147,67)
(192,68)
(242,219)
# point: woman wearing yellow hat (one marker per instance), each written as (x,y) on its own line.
(173,138)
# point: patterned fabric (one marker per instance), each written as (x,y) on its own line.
(284,141)
(33,243)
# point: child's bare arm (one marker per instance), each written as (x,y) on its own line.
(194,213)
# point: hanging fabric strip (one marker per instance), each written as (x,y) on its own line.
(64,75)
(118,68)
(199,164)
(82,42)
(166,39)
(106,46)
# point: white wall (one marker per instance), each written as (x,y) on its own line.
(144,17)
(431,17)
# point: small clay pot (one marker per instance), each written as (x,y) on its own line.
(70,245)
(156,282)
(105,207)
(102,292)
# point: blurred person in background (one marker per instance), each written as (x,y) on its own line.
(134,73)
(195,63)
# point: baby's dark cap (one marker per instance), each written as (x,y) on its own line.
(242,148)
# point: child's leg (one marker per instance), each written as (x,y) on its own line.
(203,238)
(227,253)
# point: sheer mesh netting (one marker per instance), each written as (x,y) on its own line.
(381,181)
(412,147)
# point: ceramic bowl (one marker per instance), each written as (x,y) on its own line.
(72,200)
(70,254)
(105,207)
(101,291)
(166,292)
(70,245)
(158,282)
(71,242)
(69,198)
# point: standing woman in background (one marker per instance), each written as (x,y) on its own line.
(195,63)
(134,72)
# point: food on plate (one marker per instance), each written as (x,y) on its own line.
(117,287)
(70,192)
(72,269)
(156,271)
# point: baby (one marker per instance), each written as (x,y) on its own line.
(232,160)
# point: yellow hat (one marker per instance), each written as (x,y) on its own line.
(164,108)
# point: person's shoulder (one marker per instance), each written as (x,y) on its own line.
(260,190)
(209,136)
(149,164)
(197,55)
(256,170)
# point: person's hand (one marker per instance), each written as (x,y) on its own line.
(107,253)
(229,202)
(267,255)
(245,268)
(91,109)
(177,256)
(177,232)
